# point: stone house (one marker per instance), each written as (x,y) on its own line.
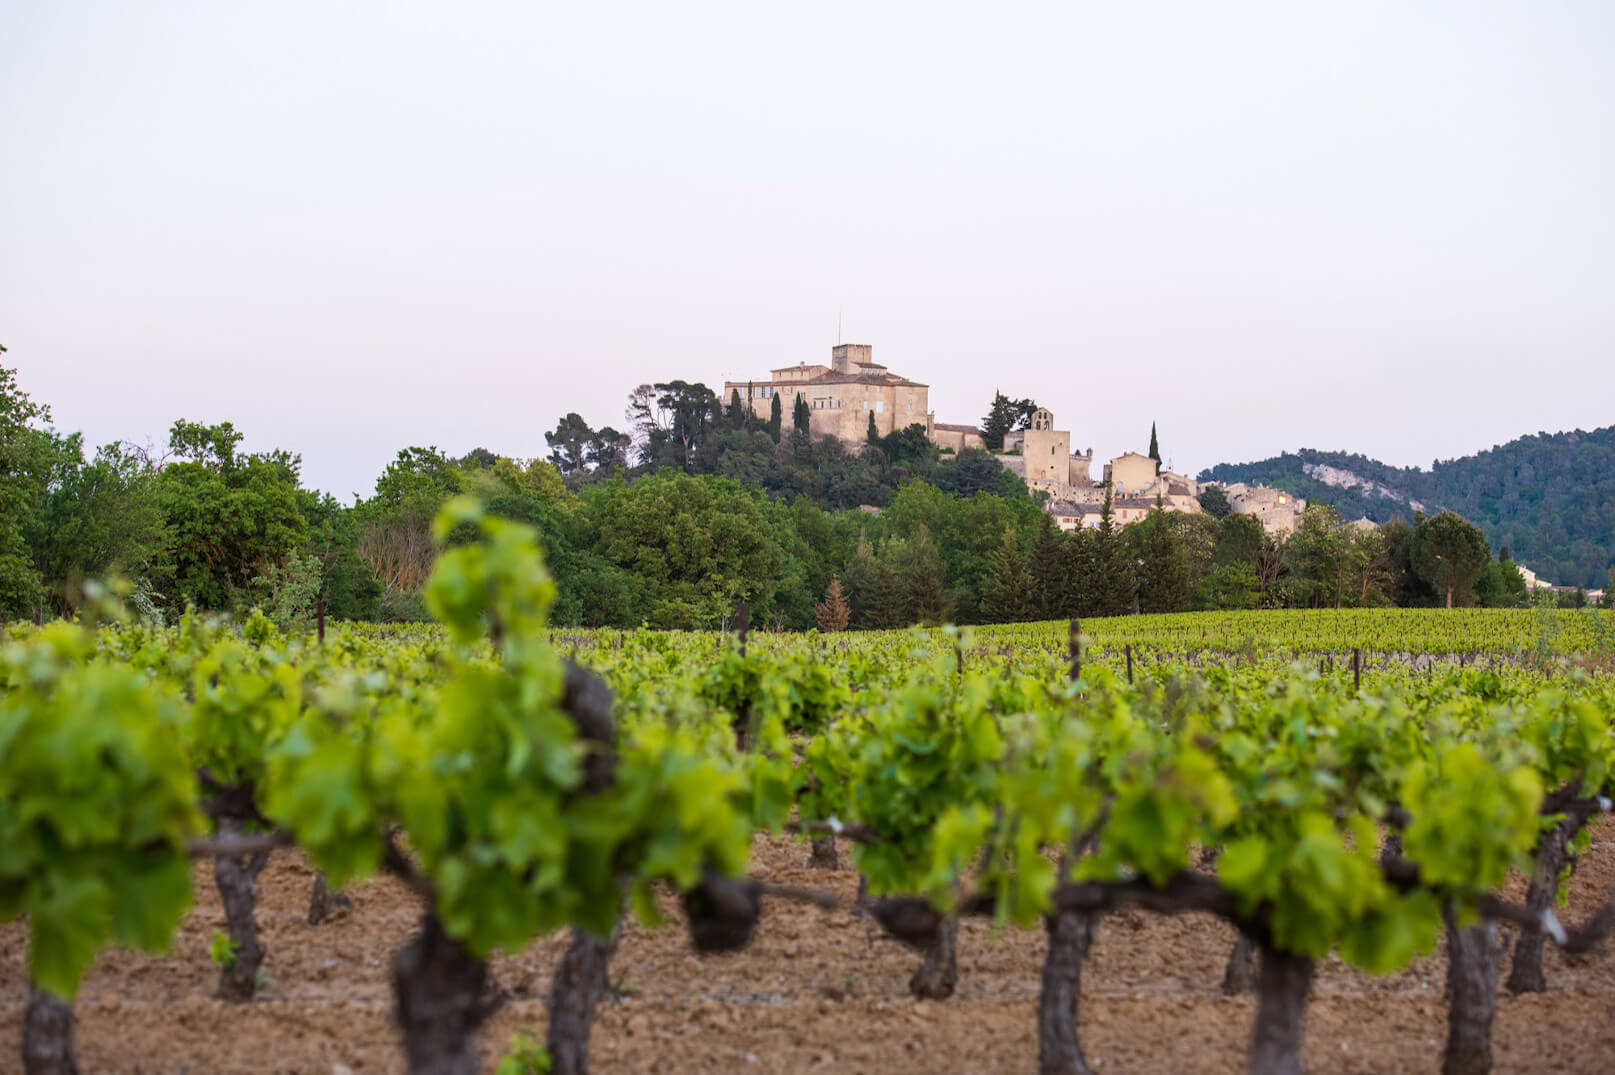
(1277,510)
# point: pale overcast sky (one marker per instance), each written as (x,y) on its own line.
(348,228)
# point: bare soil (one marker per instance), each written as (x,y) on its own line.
(815,991)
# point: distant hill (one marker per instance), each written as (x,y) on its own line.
(1550,497)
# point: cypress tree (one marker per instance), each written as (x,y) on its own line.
(800,418)
(737,410)
(1155,449)
(774,418)
(1003,597)
(873,435)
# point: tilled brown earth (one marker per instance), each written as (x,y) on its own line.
(815,991)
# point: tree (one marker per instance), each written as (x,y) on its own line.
(801,417)
(1023,411)
(228,518)
(1501,586)
(477,457)
(671,420)
(96,519)
(702,544)
(1317,558)
(1000,418)
(1450,554)
(21,445)
(774,418)
(569,444)
(833,612)
(1214,502)
(920,567)
(872,435)
(1050,570)
(1368,556)
(1155,449)
(1114,585)
(395,526)
(1163,574)
(608,450)
(1004,593)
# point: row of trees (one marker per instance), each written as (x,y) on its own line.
(202,523)
(744,518)
(1176,562)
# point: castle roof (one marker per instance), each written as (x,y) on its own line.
(956,428)
(889,380)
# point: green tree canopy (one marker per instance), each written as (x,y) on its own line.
(1450,555)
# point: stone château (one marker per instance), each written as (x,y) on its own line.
(842,397)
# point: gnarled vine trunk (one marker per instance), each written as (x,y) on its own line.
(440,996)
(579,984)
(1525,972)
(1239,976)
(823,854)
(1474,958)
(236,878)
(939,973)
(1283,983)
(1059,1047)
(47,1035)
(325,902)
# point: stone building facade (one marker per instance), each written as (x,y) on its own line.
(1277,510)
(842,396)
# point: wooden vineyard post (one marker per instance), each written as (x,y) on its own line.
(1074,650)
(319,619)
(742,621)
(1129,651)
(1357,670)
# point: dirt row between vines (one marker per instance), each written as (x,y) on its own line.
(815,991)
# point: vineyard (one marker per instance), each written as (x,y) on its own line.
(1265,841)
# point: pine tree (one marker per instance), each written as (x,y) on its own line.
(833,613)
(886,598)
(1050,572)
(1114,585)
(1081,597)
(1003,596)
(999,419)
(923,581)
(858,579)
(1155,449)
(774,418)
(1163,572)
(801,419)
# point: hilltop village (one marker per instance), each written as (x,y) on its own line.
(854,394)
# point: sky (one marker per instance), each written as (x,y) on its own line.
(350,227)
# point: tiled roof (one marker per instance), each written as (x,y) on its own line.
(883,379)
